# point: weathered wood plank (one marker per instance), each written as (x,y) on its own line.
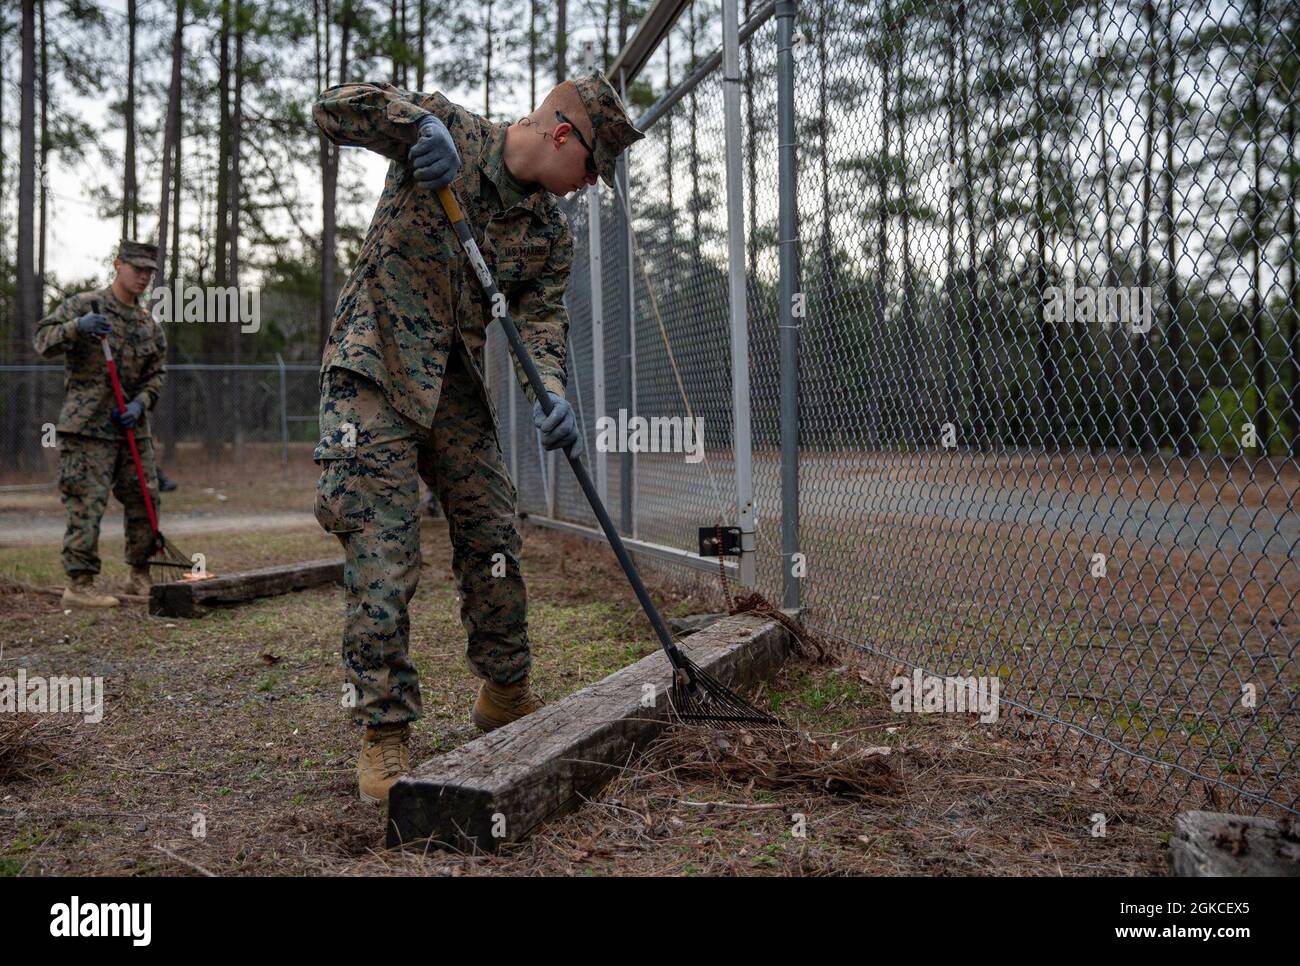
(1218,844)
(500,787)
(180,598)
(682,626)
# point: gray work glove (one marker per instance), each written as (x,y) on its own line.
(127,418)
(560,428)
(433,157)
(95,325)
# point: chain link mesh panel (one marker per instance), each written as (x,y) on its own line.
(221,405)
(1049,374)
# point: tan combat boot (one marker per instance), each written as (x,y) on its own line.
(139,582)
(500,704)
(80,592)
(385,757)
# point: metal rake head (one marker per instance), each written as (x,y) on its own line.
(168,562)
(700,698)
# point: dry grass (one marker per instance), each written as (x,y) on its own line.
(33,744)
(231,727)
(785,760)
(880,794)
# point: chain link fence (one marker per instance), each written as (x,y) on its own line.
(222,406)
(1048,372)
(1044,305)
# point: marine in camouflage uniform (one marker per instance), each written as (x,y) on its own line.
(94,458)
(402,391)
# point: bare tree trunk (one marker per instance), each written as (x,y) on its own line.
(43,175)
(826,243)
(487,61)
(1147,364)
(167,268)
(1293,246)
(4,241)
(668,146)
(1119,385)
(1181,422)
(236,188)
(975,347)
(406,69)
(532,54)
(324,311)
(172,347)
(695,204)
(561,41)
(882,166)
(995,169)
(910,376)
(392,42)
(130,186)
(171,136)
(751,122)
(951,399)
(1259,319)
(217,397)
(28,306)
(423,14)
(876,414)
(1047,335)
(997,309)
(604,36)
(329,178)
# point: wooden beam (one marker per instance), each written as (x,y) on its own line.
(184,598)
(1218,844)
(500,787)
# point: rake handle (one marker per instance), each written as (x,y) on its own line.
(459,224)
(130,433)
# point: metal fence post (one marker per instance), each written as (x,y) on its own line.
(741,443)
(599,464)
(788,253)
(627,461)
(284,419)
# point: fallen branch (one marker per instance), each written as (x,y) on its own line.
(10,586)
(184,861)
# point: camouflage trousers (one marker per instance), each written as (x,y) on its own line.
(88,469)
(372,459)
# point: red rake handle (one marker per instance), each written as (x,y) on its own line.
(130,433)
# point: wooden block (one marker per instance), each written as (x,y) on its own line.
(184,598)
(1218,844)
(500,787)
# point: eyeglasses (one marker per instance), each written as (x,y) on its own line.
(591,155)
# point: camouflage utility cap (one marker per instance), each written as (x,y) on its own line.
(609,123)
(140,254)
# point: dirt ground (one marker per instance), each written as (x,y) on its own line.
(258,492)
(224,749)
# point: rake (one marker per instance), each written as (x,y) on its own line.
(697,697)
(167,562)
